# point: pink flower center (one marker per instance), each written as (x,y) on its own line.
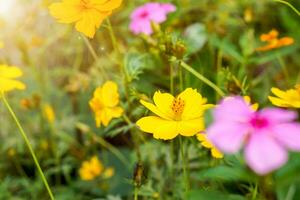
(144,15)
(259,122)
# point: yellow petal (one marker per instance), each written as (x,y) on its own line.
(8,85)
(278,92)
(155,110)
(190,127)
(108,5)
(163,102)
(216,153)
(160,128)
(110,95)
(278,102)
(10,72)
(66,12)
(194,104)
(86,25)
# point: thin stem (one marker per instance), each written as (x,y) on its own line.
(112,35)
(186,178)
(28,145)
(136,191)
(180,78)
(289,5)
(94,54)
(283,67)
(202,78)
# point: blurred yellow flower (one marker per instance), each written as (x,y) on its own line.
(91,169)
(286,99)
(176,115)
(7,76)
(105,103)
(273,41)
(86,14)
(207,144)
(109,172)
(49,113)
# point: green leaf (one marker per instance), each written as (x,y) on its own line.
(225,173)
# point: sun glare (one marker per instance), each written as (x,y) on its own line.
(6,7)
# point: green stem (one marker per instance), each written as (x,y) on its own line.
(186,178)
(283,67)
(112,35)
(171,79)
(28,145)
(94,54)
(180,78)
(136,191)
(202,78)
(289,5)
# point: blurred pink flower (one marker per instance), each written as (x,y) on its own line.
(267,134)
(142,16)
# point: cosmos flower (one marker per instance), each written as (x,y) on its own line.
(267,135)
(286,99)
(273,42)
(86,14)
(142,16)
(181,115)
(105,103)
(7,76)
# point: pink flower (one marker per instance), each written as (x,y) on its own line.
(142,16)
(266,134)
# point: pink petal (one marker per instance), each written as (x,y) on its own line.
(141,26)
(263,154)
(228,137)
(168,7)
(233,109)
(275,115)
(288,134)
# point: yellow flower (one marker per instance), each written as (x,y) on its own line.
(86,14)
(7,76)
(207,144)
(175,115)
(273,41)
(105,103)
(286,99)
(91,169)
(49,113)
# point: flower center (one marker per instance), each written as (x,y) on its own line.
(177,107)
(259,122)
(144,14)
